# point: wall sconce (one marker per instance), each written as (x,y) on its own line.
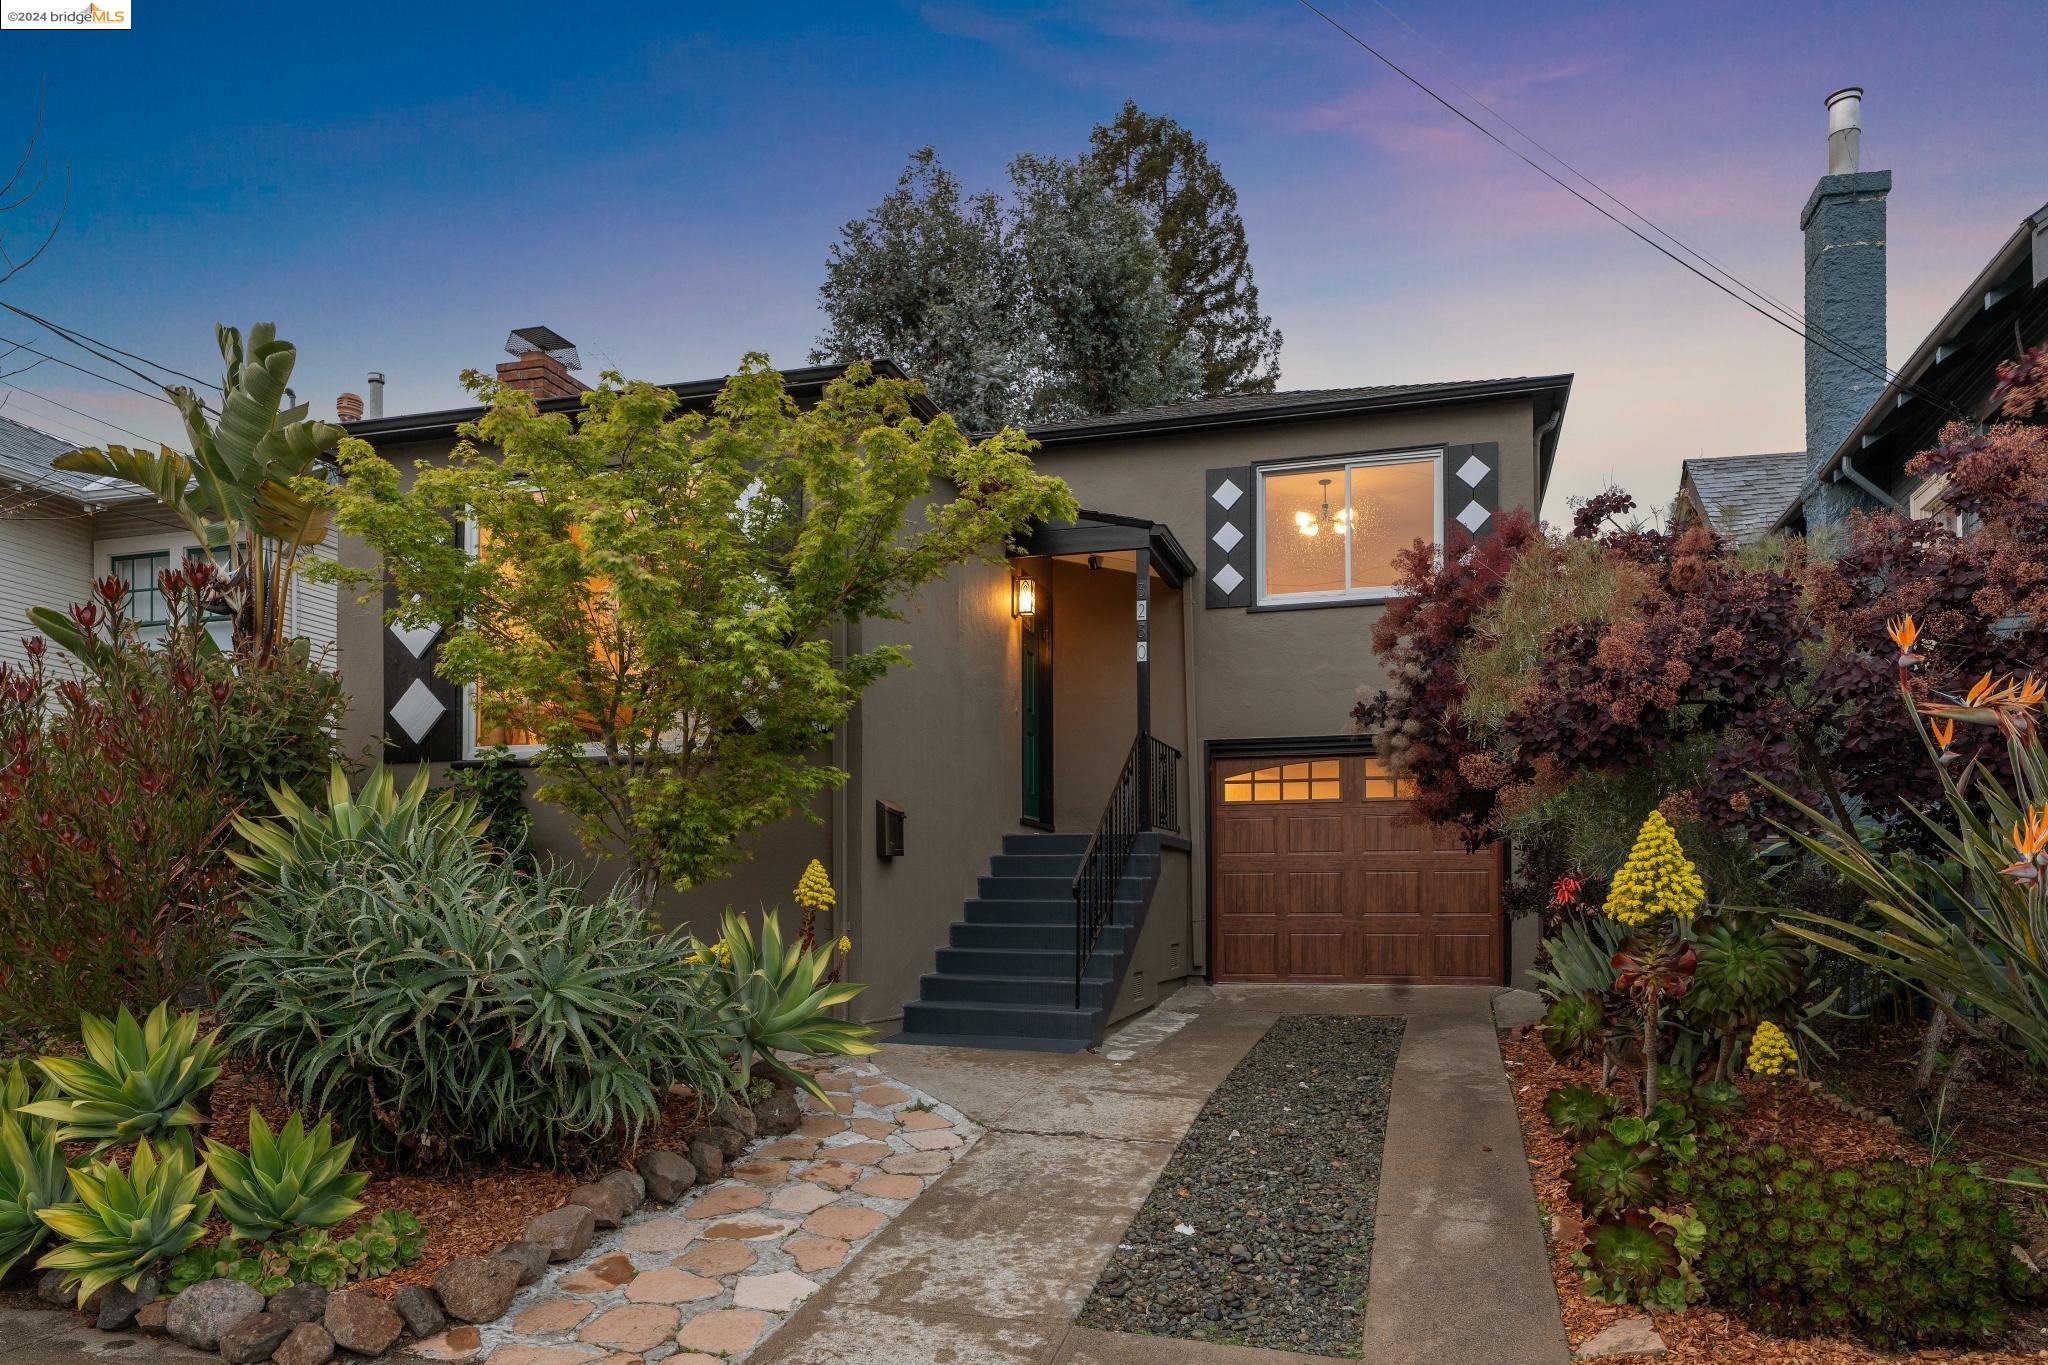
(1023,596)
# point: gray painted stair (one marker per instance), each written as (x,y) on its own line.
(1005,977)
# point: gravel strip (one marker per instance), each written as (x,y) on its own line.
(1259,1230)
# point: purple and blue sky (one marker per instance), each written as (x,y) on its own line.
(399,188)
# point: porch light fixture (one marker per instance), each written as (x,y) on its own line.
(1023,596)
(1312,523)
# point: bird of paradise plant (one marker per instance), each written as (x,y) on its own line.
(1967,927)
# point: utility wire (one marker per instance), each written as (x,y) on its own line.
(158,396)
(79,339)
(1795,328)
(81,412)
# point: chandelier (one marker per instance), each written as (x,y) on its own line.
(1312,523)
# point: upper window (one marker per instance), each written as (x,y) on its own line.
(138,573)
(1331,531)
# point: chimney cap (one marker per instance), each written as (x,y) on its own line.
(548,342)
(349,407)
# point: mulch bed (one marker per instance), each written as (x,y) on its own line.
(1703,1333)
(1996,1113)
(1276,1184)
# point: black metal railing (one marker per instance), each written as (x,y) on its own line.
(1146,797)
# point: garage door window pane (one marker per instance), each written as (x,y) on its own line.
(1314,781)
(1382,785)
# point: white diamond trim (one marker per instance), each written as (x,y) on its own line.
(1227,538)
(1227,493)
(1472,471)
(417,710)
(1227,578)
(416,639)
(1473,517)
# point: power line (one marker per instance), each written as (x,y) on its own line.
(94,374)
(90,417)
(1795,328)
(78,339)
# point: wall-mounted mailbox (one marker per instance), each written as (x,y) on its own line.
(888,830)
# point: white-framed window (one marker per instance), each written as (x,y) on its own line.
(1330,530)
(1926,500)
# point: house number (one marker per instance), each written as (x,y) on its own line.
(1141,609)
(1141,651)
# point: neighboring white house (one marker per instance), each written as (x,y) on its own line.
(59,531)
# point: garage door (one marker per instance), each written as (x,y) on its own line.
(1320,872)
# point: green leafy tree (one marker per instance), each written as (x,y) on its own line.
(1165,171)
(235,492)
(1050,303)
(655,595)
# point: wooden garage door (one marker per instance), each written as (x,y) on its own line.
(1320,872)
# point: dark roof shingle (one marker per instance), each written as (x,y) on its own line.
(1283,402)
(1742,495)
(26,455)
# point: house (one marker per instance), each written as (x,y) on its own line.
(60,531)
(1166,681)
(1863,427)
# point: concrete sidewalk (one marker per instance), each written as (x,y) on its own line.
(992,1264)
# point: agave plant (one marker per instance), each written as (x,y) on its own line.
(1579,954)
(292,1178)
(777,996)
(135,1080)
(33,1172)
(301,836)
(121,1223)
(234,491)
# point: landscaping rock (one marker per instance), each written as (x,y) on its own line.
(667,1175)
(708,1157)
(119,1305)
(422,1311)
(50,1289)
(630,1188)
(477,1288)
(360,1321)
(778,1114)
(564,1233)
(530,1257)
(738,1117)
(199,1316)
(308,1344)
(1629,1337)
(299,1303)
(729,1141)
(254,1338)
(603,1202)
(150,1317)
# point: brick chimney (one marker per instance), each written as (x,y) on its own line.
(1844,223)
(541,364)
(348,407)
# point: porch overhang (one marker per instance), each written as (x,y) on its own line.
(1093,533)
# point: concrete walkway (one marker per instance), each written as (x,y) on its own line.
(992,1264)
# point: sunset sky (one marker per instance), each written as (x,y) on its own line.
(397,189)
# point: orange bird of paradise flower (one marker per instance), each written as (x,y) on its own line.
(2030,840)
(1905,632)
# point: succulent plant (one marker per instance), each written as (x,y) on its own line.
(33,1172)
(1573,1027)
(294,1178)
(135,1080)
(121,1223)
(1611,1177)
(1578,1111)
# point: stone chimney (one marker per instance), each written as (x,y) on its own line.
(348,407)
(541,364)
(1844,223)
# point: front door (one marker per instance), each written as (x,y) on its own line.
(1035,683)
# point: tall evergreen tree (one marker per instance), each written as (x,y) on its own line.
(1156,164)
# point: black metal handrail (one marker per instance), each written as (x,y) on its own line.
(1146,797)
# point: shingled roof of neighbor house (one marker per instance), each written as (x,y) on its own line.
(1743,495)
(1235,408)
(25,457)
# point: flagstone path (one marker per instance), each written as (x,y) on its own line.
(709,1278)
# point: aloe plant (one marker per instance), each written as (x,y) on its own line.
(121,1223)
(33,1172)
(300,835)
(777,996)
(135,1080)
(286,1179)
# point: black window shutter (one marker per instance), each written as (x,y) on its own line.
(422,710)
(1228,537)
(1471,487)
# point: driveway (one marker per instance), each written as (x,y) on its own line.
(992,1264)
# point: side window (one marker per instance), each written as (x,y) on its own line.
(138,573)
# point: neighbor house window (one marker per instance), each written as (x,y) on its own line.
(1330,532)
(1316,780)
(138,573)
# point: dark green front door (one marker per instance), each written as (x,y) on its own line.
(1036,684)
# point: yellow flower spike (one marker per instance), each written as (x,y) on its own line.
(1656,880)
(1770,1052)
(845,945)
(814,889)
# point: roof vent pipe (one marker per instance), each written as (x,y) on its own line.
(375,407)
(1845,131)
